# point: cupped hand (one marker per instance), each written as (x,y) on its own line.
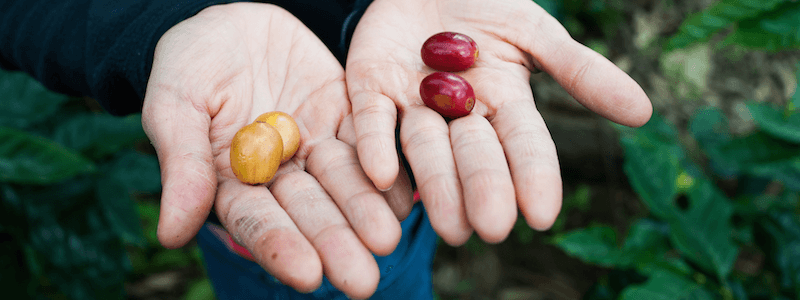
(475,172)
(216,72)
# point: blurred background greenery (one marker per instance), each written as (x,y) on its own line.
(700,203)
(79,192)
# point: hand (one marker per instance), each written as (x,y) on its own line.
(474,172)
(216,72)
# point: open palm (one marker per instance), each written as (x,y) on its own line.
(474,172)
(216,72)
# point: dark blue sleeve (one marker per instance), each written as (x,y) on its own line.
(104,48)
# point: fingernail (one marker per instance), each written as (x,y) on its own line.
(387,189)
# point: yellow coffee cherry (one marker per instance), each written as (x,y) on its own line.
(256,151)
(288,129)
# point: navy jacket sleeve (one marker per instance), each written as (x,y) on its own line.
(104,48)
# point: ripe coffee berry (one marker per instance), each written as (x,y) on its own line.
(449,51)
(448,94)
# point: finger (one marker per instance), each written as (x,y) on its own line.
(426,144)
(347,263)
(336,167)
(486,180)
(400,196)
(375,118)
(256,221)
(179,133)
(589,77)
(533,162)
(347,131)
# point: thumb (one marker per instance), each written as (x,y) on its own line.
(589,77)
(179,133)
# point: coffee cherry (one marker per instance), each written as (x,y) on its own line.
(449,51)
(448,94)
(286,126)
(256,151)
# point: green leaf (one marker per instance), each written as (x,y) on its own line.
(196,254)
(25,100)
(653,158)
(65,198)
(200,290)
(737,290)
(595,245)
(140,265)
(774,31)
(775,122)
(756,149)
(581,199)
(30,159)
(647,234)
(699,27)
(607,13)
(524,233)
(760,155)
(709,126)
(787,172)
(47,208)
(658,170)
(31,204)
(667,286)
(784,228)
(137,172)
(475,245)
(553,7)
(647,248)
(148,213)
(98,135)
(167,259)
(703,231)
(82,257)
(129,173)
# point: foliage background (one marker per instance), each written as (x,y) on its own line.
(701,203)
(79,191)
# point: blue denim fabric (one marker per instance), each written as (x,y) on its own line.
(405,274)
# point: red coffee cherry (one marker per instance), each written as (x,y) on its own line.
(448,94)
(449,51)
